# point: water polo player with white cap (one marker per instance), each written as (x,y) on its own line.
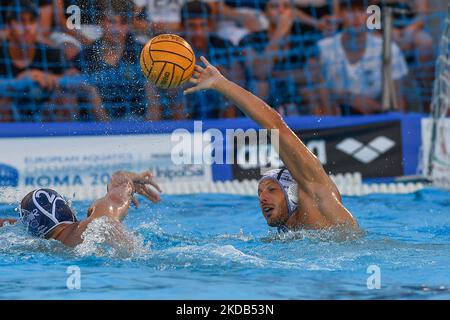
(277,210)
(318,203)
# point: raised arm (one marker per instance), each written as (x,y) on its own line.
(301,162)
(119,196)
(114,204)
(315,186)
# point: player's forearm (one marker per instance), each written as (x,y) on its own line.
(293,152)
(114,204)
(255,108)
(120,194)
(120,178)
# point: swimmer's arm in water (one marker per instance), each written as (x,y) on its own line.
(304,166)
(10,221)
(114,204)
(121,187)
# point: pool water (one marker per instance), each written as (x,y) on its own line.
(219,247)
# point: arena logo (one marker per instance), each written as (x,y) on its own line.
(209,147)
(9,176)
(266,158)
(366,153)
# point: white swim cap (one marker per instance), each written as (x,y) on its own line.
(288,185)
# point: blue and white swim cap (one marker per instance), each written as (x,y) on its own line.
(288,185)
(42,210)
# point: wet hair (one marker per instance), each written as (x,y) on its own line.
(195,10)
(16,8)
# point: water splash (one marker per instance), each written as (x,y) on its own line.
(105,237)
(241,236)
(336,235)
(16,242)
(197,242)
(210,254)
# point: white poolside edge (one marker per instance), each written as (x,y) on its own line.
(348,184)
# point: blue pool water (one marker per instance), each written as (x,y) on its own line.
(219,247)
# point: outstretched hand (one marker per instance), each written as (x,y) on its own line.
(140,186)
(204,78)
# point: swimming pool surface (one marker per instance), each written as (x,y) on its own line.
(219,247)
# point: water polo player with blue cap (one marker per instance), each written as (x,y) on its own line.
(300,196)
(46,214)
(43,210)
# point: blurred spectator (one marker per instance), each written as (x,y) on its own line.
(113,63)
(22,57)
(58,22)
(153,17)
(237,18)
(318,15)
(198,31)
(74,37)
(352,63)
(281,62)
(70,46)
(196,19)
(44,15)
(417,44)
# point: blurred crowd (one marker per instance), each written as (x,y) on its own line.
(301,56)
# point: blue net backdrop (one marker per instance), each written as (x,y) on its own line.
(72,60)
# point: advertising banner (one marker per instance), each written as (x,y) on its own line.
(436,148)
(89,161)
(374,150)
